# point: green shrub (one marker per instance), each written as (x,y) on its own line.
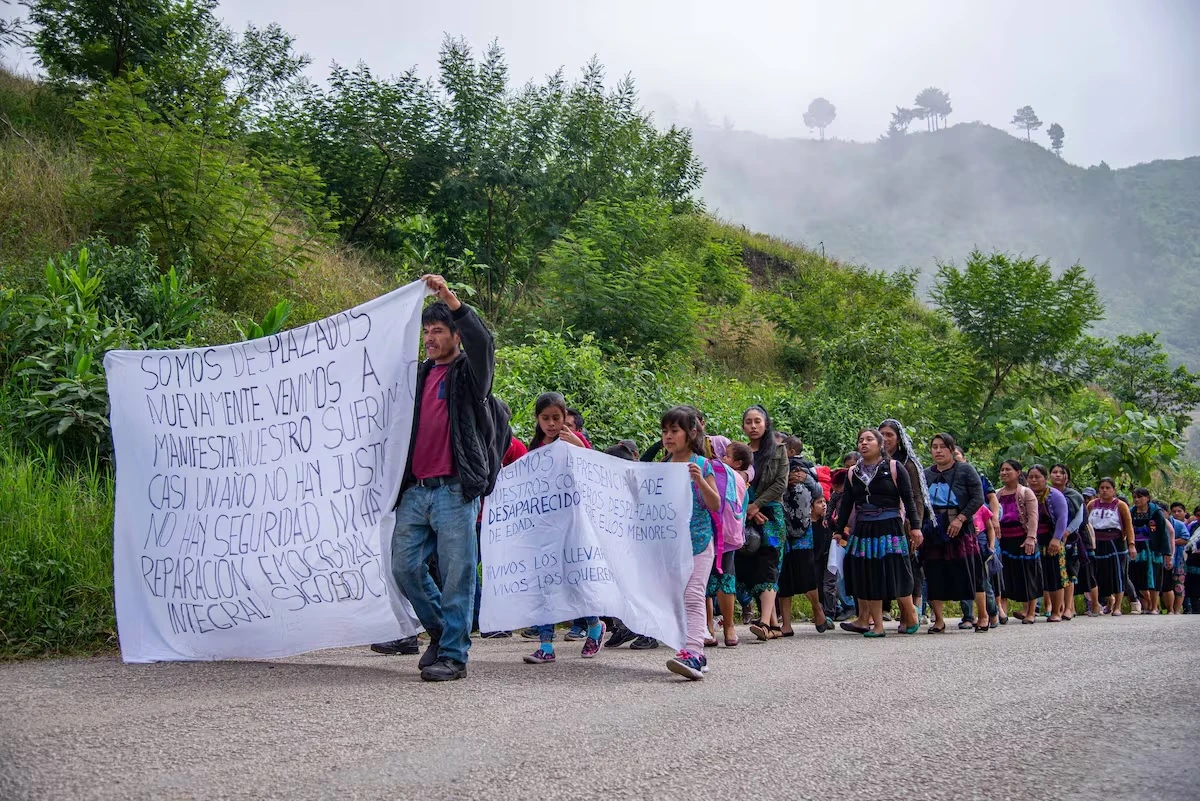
(54,341)
(623,397)
(197,191)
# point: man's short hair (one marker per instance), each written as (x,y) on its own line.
(439,313)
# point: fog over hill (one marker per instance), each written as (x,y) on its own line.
(912,200)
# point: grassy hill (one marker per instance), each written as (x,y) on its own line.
(934,196)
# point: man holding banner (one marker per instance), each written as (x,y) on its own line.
(452,463)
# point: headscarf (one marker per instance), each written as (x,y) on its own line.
(719,445)
(906,447)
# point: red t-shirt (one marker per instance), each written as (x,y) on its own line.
(432,456)
(516,449)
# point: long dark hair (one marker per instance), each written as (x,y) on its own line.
(688,421)
(766,446)
(545,401)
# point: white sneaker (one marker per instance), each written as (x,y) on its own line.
(1136,607)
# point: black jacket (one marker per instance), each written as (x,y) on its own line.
(468,387)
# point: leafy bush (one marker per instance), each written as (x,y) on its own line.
(621,397)
(196,190)
(54,341)
(1130,446)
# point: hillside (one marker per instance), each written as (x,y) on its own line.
(934,196)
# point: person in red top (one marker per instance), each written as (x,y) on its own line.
(452,462)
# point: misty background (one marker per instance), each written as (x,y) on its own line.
(1116,76)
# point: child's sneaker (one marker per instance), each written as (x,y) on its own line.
(576,633)
(704,664)
(540,657)
(687,665)
(591,646)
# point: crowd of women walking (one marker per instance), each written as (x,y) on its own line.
(903,538)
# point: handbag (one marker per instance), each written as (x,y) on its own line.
(754,539)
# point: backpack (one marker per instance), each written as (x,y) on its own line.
(730,519)
(825,479)
(494,425)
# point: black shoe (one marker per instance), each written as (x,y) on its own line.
(444,670)
(495,635)
(643,643)
(407,646)
(620,637)
(431,654)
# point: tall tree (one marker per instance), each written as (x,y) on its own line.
(901,119)
(821,114)
(1056,134)
(96,40)
(933,106)
(1137,371)
(1025,118)
(1014,313)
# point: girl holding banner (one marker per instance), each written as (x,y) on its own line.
(683,440)
(551,413)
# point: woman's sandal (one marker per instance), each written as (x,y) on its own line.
(731,643)
(1067,617)
(711,642)
(760,630)
(776,632)
(933,630)
(1029,620)
(1003,620)
(824,627)
(853,629)
(913,629)
(872,634)
(791,633)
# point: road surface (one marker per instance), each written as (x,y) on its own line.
(1103,708)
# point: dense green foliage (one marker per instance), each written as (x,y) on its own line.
(175,184)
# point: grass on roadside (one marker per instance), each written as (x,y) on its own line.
(56,584)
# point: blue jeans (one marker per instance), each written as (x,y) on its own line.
(429,520)
(968,605)
(546,633)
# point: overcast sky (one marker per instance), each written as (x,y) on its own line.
(1120,77)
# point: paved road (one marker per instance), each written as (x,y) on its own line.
(1073,711)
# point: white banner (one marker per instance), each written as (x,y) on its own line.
(255,484)
(570,532)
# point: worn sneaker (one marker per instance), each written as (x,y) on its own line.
(495,635)
(1135,607)
(619,637)
(539,657)
(531,633)
(444,670)
(431,653)
(591,646)
(687,665)
(643,643)
(407,646)
(576,633)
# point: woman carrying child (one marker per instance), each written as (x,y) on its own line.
(799,574)
(758,571)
